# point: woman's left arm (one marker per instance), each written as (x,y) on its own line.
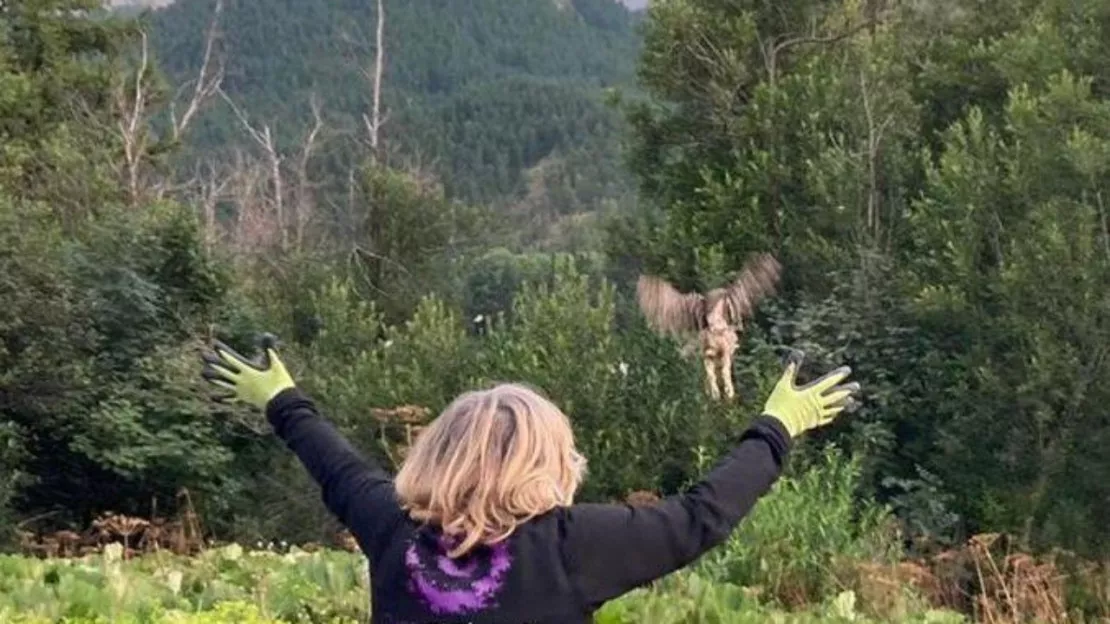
(615,548)
(612,549)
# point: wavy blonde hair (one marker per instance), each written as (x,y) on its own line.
(491,461)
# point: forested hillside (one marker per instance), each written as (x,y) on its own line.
(502,99)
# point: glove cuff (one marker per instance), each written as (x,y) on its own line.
(276,392)
(789,425)
(283,398)
(774,431)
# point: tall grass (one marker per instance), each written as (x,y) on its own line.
(801,548)
(802,540)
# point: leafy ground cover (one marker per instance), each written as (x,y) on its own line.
(233,585)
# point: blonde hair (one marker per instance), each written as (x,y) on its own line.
(491,461)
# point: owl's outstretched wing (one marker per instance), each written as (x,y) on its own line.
(758,279)
(666,309)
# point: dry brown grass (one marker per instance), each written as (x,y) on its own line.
(890,591)
(641,497)
(182,535)
(1014,586)
(407,420)
(988,579)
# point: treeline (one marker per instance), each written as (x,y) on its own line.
(932,177)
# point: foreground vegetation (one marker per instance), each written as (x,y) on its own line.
(808,553)
(229,584)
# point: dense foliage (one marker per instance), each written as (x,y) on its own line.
(933,176)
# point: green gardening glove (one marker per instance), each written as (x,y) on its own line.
(253,383)
(810,406)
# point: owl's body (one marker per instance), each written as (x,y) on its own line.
(716,316)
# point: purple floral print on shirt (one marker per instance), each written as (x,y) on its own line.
(455,586)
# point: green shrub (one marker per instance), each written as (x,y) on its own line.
(796,542)
(690,598)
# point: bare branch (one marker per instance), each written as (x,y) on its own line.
(264,138)
(250,226)
(874,144)
(811,39)
(780,44)
(212,188)
(281,197)
(872,155)
(373,120)
(132,99)
(355,262)
(304,204)
(131,106)
(208,81)
(242,117)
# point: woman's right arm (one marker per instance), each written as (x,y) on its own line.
(612,549)
(356,490)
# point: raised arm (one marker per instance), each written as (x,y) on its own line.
(356,490)
(612,549)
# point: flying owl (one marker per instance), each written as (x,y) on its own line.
(716,316)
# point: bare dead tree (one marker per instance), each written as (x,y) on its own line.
(211,188)
(374,121)
(267,192)
(132,100)
(264,138)
(305,197)
(131,105)
(245,179)
(875,132)
(208,81)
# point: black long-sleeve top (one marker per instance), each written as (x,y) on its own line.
(557,568)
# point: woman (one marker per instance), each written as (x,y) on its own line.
(479,524)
